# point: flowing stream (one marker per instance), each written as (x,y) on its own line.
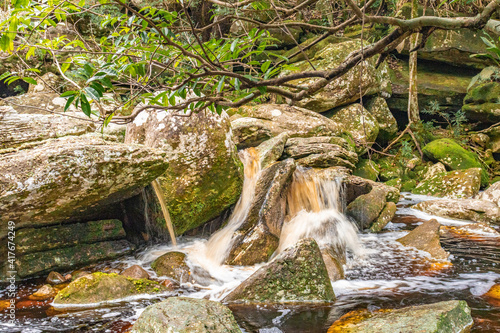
(379,272)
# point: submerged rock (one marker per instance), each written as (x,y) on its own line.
(257,238)
(102,287)
(298,274)
(173,264)
(55,278)
(254,124)
(72,178)
(454,184)
(425,237)
(448,316)
(205,175)
(184,315)
(467,209)
(45,292)
(453,156)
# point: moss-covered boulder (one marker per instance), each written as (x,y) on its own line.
(101,287)
(454,157)
(465,209)
(458,184)
(367,169)
(389,169)
(425,237)
(205,175)
(258,236)
(364,78)
(298,274)
(388,127)
(71,179)
(482,102)
(173,264)
(252,125)
(448,316)
(385,217)
(358,122)
(367,207)
(185,315)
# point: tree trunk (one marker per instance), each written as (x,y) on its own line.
(413,113)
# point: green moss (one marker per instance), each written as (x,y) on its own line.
(367,169)
(408,185)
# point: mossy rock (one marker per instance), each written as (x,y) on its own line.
(385,217)
(101,287)
(408,185)
(459,184)
(388,127)
(367,207)
(454,157)
(367,169)
(389,169)
(173,264)
(482,102)
(298,274)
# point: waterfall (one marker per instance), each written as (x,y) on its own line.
(217,247)
(313,211)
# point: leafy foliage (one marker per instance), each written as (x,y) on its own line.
(455,120)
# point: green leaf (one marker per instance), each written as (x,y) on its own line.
(68,102)
(220,86)
(263,90)
(265,66)
(108,119)
(92,93)
(30,52)
(30,80)
(85,105)
(69,93)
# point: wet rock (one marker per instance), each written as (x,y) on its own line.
(367,169)
(17,129)
(453,185)
(366,208)
(388,127)
(481,102)
(44,293)
(183,314)
(467,209)
(425,237)
(55,278)
(31,240)
(69,257)
(448,316)
(270,151)
(298,274)
(79,274)
(454,157)
(257,238)
(333,266)
(355,186)
(385,217)
(360,123)
(173,265)
(101,287)
(205,175)
(346,89)
(492,194)
(337,157)
(71,178)
(254,124)
(434,170)
(494,292)
(135,272)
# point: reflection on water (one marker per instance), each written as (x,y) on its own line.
(387,276)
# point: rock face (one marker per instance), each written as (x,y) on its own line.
(425,237)
(468,209)
(491,194)
(481,102)
(346,89)
(254,124)
(458,184)
(454,157)
(271,150)
(101,287)
(449,317)
(298,274)
(183,315)
(17,128)
(173,265)
(205,175)
(257,238)
(66,179)
(388,127)
(360,123)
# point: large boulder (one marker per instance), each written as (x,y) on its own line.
(258,236)
(491,194)
(481,102)
(298,274)
(459,184)
(173,265)
(388,127)
(448,316)
(363,78)
(466,209)
(386,215)
(366,208)
(360,123)
(425,237)
(101,287)
(368,169)
(184,315)
(254,124)
(205,175)
(71,179)
(17,128)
